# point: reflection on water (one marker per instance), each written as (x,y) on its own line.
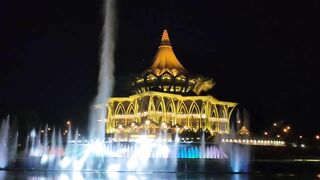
(42,175)
(68,175)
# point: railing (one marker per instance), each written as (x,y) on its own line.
(255,142)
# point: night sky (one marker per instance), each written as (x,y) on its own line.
(263,55)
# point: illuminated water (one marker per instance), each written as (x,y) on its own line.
(141,155)
(49,149)
(154,176)
(8,143)
(106,78)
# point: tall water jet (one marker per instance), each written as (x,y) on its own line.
(202,145)
(45,141)
(26,148)
(52,148)
(8,143)
(239,154)
(60,145)
(33,136)
(4,133)
(14,146)
(106,79)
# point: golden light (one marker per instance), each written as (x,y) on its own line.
(163,124)
(68,122)
(166,69)
(132,124)
(274,124)
(238,121)
(120,126)
(285,130)
(278,136)
(49,129)
(266,133)
(288,127)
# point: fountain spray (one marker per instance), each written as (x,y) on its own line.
(106,78)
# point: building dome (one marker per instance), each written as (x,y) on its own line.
(167,74)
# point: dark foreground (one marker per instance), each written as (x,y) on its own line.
(259,169)
(67,175)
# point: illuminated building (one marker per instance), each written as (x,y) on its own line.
(244,131)
(167,98)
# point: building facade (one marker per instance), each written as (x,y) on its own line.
(167,98)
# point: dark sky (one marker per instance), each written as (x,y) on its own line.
(263,55)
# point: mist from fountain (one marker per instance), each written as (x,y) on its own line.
(53,150)
(4,143)
(26,147)
(14,147)
(8,143)
(239,154)
(97,119)
(111,156)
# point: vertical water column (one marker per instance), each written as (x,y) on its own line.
(4,133)
(26,148)
(106,79)
(14,146)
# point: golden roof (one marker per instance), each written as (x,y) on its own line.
(167,74)
(244,131)
(165,60)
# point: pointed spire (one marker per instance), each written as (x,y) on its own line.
(165,41)
(165,36)
(165,59)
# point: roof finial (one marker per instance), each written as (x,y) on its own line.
(165,41)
